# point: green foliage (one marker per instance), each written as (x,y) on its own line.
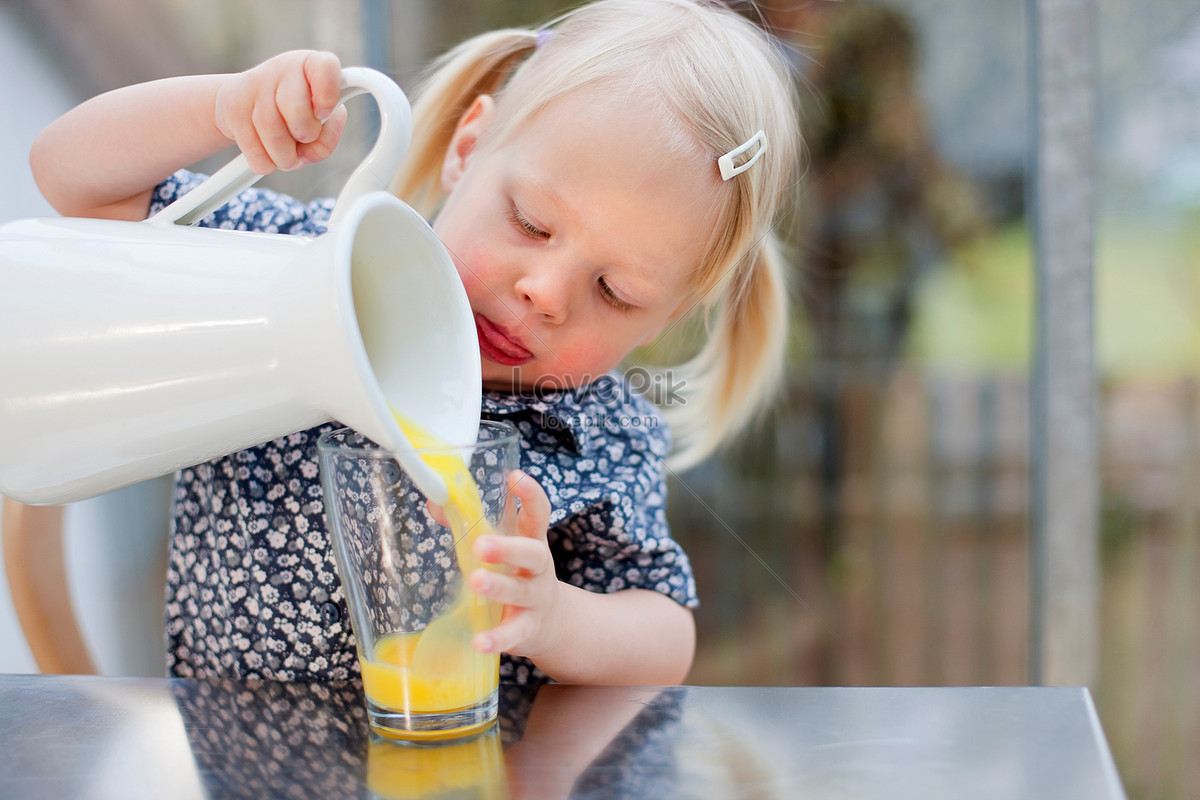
(976,309)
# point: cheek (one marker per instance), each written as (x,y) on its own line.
(470,256)
(592,352)
(472,270)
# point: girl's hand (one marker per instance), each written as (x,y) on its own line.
(284,113)
(529,589)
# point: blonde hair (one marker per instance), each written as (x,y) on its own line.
(715,76)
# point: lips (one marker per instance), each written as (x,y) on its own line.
(495,345)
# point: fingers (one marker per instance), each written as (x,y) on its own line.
(438,513)
(297,107)
(331,133)
(508,636)
(534,516)
(527,552)
(510,590)
(526,555)
(273,133)
(274,111)
(323,73)
(528,587)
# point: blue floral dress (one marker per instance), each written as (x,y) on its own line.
(252,587)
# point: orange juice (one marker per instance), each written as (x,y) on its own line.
(431,682)
(389,680)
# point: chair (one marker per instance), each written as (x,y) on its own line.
(37,579)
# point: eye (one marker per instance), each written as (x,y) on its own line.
(523,225)
(611,297)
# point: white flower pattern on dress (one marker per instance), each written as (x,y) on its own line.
(252,587)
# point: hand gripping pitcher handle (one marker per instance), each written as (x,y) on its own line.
(373,174)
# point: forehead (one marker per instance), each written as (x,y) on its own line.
(621,172)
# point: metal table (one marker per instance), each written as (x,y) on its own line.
(68,737)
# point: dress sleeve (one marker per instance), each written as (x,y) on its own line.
(260,210)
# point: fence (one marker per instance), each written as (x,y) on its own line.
(877,532)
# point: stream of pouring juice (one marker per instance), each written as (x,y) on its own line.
(446,674)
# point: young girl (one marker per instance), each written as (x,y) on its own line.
(595,182)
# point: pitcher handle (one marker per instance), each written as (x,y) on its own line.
(374,173)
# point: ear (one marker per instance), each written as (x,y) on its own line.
(471,126)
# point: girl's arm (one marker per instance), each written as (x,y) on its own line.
(104,157)
(634,637)
(631,637)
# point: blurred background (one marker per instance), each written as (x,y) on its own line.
(875,529)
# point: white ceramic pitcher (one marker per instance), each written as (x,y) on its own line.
(131,349)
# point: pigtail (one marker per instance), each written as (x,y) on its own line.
(738,371)
(479,65)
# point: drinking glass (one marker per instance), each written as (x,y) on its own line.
(402,563)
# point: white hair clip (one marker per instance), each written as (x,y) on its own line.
(725,162)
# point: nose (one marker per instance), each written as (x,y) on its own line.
(544,291)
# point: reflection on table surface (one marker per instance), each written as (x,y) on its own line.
(66,737)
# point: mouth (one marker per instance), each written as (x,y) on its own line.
(496,345)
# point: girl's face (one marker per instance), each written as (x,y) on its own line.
(577,237)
